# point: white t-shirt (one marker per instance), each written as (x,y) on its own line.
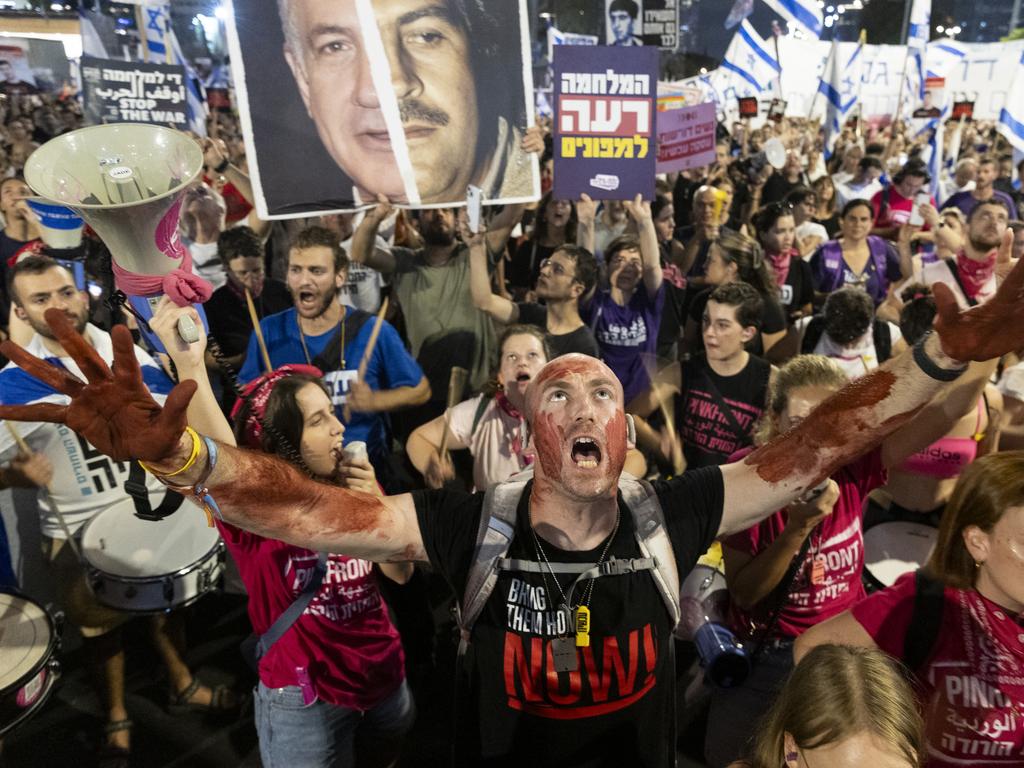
(493,443)
(939,272)
(848,191)
(84,480)
(1011,383)
(363,285)
(207,264)
(812,229)
(855,359)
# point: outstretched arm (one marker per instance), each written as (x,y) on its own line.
(115,412)
(498,307)
(865,412)
(640,211)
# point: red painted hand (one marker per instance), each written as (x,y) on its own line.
(987,331)
(114,411)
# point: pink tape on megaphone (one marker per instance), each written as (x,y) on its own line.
(182,285)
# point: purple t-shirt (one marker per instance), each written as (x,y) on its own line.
(624,333)
(967,202)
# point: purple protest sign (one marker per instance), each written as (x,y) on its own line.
(604,121)
(686,137)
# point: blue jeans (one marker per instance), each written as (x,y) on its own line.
(323,735)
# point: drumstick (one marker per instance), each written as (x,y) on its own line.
(370,344)
(658,377)
(24,448)
(456,383)
(258,331)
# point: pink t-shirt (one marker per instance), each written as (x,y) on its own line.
(838,541)
(972,684)
(344,639)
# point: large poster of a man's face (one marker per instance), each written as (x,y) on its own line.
(342,100)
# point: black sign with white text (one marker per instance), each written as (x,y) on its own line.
(133,92)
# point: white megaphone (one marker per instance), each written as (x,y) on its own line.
(774,153)
(127,181)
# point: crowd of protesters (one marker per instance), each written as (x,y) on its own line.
(729,307)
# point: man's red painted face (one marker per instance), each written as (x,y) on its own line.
(579,425)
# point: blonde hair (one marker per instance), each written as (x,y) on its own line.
(836,692)
(801,371)
(985,490)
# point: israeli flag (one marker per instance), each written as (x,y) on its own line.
(942,56)
(805,14)
(1011,117)
(161,45)
(917,41)
(840,85)
(749,67)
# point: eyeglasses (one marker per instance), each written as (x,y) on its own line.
(241,274)
(556,268)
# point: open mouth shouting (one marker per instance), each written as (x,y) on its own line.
(585,452)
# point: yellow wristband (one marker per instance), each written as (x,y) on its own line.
(196,443)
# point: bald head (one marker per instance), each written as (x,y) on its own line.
(564,368)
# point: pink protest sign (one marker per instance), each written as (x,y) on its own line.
(686,137)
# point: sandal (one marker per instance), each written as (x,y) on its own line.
(111,756)
(222,700)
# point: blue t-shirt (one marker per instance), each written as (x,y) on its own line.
(390,367)
(624,333)
(967,202)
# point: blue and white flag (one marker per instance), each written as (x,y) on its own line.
(804,14)
(1011,117)
(840,85)
(917,41)
(92,41)
(160,45)
(749,66)
(942,56)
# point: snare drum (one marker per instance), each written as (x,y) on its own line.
(142,566)
(28,664)
(894,548)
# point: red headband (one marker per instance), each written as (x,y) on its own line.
(257,393)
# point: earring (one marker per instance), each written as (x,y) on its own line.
(791,757)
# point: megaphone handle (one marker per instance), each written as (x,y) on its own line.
(187,330)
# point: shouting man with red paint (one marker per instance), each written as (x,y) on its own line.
(569,580)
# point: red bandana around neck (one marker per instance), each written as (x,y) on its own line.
(780,264)
(974,274)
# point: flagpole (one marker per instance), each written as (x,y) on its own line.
(905,29)
(903,82)
(778,60)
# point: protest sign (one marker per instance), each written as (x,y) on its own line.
(748,106)
(642,22)
(347,100)
(604,122)
(686,138)
(963,110)
(133,92)
(16,76)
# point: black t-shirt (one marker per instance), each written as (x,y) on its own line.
(798,290)
(229,316)
(831,224)
(709,436)
(773,320)
(581,340)
(616,710)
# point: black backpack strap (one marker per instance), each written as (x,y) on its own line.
(135,486)
(776,599)
(292,613)
(812,335)
(883,340)
(329,356)
(925,622)
(951,266)
(479,413)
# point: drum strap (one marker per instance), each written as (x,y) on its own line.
(926,621)
(292,612)
(135,485)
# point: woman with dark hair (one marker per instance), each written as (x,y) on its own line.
(857,257)
(775,226)
(841,707)
(734,257)
(825,213)
(673,316)
(554,225)
(956,623)
(337,673)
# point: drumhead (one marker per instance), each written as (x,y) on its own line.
(25,636)
(115,541)
(894,548)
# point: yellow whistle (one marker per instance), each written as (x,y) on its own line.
(582,626)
